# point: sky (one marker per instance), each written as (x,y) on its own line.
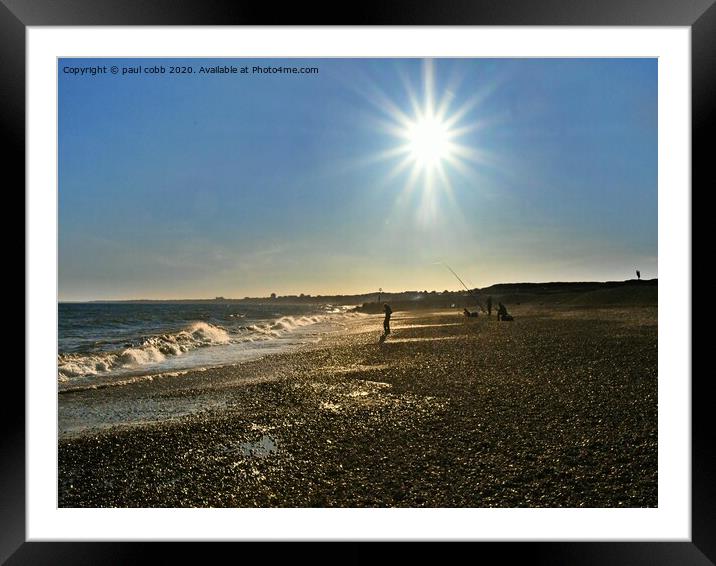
(370,173)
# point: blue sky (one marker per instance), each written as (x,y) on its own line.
(196,185)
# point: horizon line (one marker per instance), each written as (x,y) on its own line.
(317,296)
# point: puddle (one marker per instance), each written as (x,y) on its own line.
(262,448)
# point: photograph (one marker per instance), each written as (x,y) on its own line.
(357,282)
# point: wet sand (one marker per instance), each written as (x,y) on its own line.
(555,409)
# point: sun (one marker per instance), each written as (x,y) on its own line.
(431,138)
(428,141)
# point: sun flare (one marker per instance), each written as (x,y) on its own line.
(433,128)
(428,141)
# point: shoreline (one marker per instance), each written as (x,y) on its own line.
(138,375)
(105,347)
(165,383)
(547,411)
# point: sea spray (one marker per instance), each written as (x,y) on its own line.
(119,349)
(151,350)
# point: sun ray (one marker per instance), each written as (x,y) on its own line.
(449,95)
(347,166)
(473,127)
(429,86)
(446,183)
(398,168)
(437,135)
(477,156)
(410,91)
(412,181)
(382,102)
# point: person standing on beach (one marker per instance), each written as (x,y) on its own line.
(638,275)
(386,322)
(501,311)
(489,306)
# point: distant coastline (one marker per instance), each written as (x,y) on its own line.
(497,289)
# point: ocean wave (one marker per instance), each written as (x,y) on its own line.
(128,381)
(285,324)
(156,349)
(152,350)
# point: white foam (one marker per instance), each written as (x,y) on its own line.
(207,333)
(155,350)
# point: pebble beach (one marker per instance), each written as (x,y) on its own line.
(555,409)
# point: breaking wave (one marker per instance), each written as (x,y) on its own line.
(284,325)
(156,349)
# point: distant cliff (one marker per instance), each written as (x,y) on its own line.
(589,293)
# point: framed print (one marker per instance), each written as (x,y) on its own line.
(298,279)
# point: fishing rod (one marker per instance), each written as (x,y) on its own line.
(463,284)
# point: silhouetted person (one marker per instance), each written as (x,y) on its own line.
(386,322)
(501,311)
(638,275)
(489,306)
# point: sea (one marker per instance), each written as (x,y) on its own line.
(106,343)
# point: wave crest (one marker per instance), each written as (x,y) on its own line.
(154,349)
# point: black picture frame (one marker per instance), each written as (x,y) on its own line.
(699,15)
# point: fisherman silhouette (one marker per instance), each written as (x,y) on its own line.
(638,275)
(501,311)
(489,306)
(386,322)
